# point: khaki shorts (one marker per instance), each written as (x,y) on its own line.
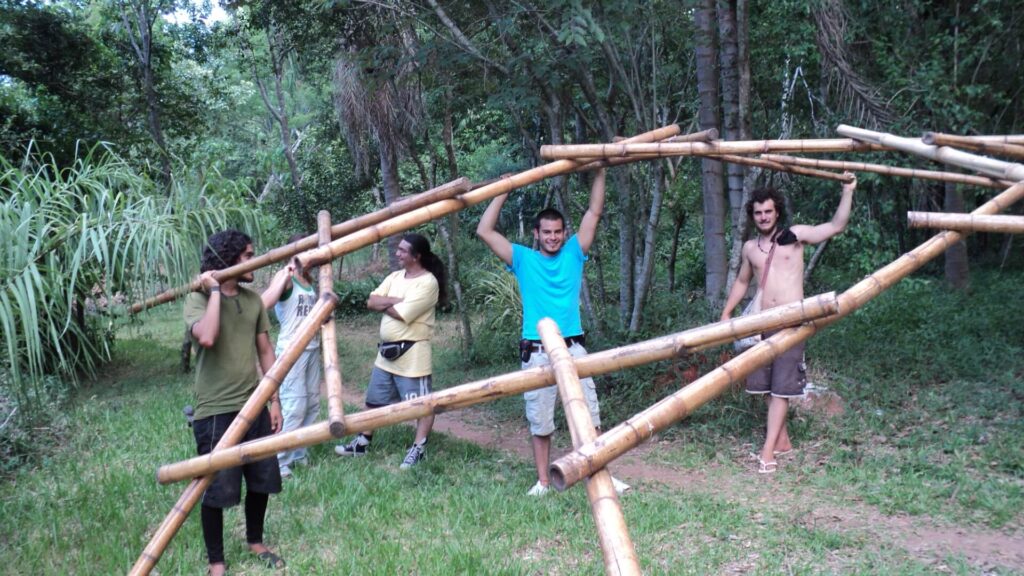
(540,404)
(785,377)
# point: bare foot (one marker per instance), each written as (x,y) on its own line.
(218,569)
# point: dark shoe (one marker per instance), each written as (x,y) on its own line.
(357,447)
(417,453)
(272,560)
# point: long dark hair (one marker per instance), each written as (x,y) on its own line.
(223,249)
(762,195)
(419,247)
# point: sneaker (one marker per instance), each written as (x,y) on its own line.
(620,486)
(357,447)
(286,472)
(414,456)
(538,489)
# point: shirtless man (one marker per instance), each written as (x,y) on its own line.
(784,378)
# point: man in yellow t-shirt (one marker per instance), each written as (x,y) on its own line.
(403,368)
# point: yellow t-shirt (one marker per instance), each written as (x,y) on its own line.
(419,297)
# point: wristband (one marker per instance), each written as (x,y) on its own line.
(214,289)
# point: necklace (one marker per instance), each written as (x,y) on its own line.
(763,251)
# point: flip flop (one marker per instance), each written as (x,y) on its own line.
(766,467)
(272,560)
(778,453)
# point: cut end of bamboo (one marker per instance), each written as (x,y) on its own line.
(928,138)
(557,478)
(337,427)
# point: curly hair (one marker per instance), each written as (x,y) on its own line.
(420,247)
(223,249)
(761,195)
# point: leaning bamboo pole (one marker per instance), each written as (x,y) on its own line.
(581,462)
(235,432)
(638,354)
(718,147)
(591,163)
(953,177)
(999,148)
(988,166)
(780,167)
(281,253)
(328,337)
(616,545)
(966,222)
(372,234)
(1007,139)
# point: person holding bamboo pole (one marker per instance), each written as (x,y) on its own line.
(292,296)
(549,284)
(403,369)
(776,257)
(229,324)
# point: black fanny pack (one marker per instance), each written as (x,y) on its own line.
(394,350)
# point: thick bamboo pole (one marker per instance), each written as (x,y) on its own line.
(999,148)
(1007,139)
(780,167)
(944,154)
(966,222)
(625,149)
(592,163)
(414,218)
(954,177)
(281,253)
(616,545)
(638,354)
(328,337)
(235,432)
(572,467)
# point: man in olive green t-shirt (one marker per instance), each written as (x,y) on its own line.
(229,325)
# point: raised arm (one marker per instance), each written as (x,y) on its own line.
(280,283)
(822,232)
(588,226)
(739,286)
(487,230)
(207,329)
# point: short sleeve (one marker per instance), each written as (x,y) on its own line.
(195,307)
(419,300)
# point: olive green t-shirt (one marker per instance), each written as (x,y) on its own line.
(226,372)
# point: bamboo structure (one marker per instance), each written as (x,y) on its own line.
(968,143)
(702,136)
(434,211)
(328,338)
(593,364)
(616,545)
(966,222)
(583,461)
(953,177)
(1008,139)
(716,148)
(988,166)
(235,432)
(780,167)
(282,253)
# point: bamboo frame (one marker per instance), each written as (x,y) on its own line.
(235,432)
(966,222)
(328,337)
(954,177)
(996,139)
(966,142)
(663,348)
(377,232)
(281,253)
(702,136)
(571,468)
(780,167)
(718,147)
(616,545)
(988,166)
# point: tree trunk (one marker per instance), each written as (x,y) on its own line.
(716,268)
(140,35)
(647,268)
(730,106)
(450,231)
(957,272)
(389,183)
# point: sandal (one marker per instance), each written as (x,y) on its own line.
(778,453)
(767,467)
(272,560)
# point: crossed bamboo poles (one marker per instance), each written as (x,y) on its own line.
(591,454)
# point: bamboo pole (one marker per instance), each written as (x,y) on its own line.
(235,432)
(371,234)
(572,467)
(616,545)
(702,136)
(281,253)
(780,167)
(944,154)
(966,222)
(1008,139)
(954,177)
(625,149)
(593,364)
(1000,148)
(328,338)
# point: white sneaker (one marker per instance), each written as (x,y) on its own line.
(286,472)
(538,489)
(620,486)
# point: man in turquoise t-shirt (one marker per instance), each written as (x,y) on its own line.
(549,283)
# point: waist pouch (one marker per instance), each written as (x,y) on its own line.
(528,347)
(394,350)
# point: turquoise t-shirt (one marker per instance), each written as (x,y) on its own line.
(550,287)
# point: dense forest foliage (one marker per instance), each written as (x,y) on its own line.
(131,128)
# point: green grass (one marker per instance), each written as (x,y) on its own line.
(942,443)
